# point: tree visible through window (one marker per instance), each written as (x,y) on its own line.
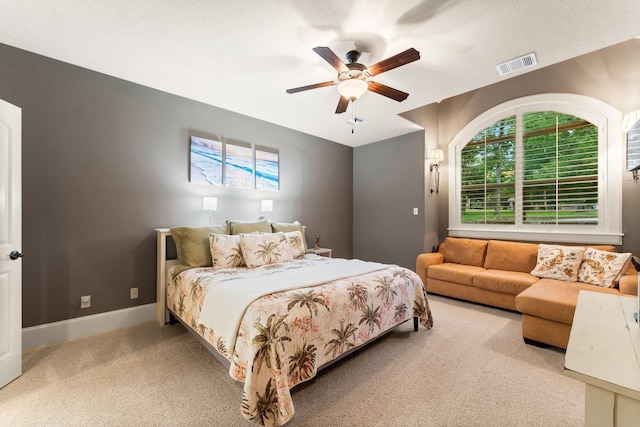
(488,175)
(555,156)
(560,182)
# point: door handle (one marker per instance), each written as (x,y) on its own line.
(15,255)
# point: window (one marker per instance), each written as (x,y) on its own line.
(542,164)
(488,175)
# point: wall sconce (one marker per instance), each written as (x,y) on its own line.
(267,206)
(210,204)
(435,157)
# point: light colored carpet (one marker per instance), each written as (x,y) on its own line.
(471,369)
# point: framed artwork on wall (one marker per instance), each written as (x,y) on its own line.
(238,166)
(267,169)
(233,164)
(206,161)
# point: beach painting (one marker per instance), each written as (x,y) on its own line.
(206,161)
(239,166)
(267,169)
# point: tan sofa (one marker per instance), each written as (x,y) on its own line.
(498,273)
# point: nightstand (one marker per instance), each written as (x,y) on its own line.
(320,251)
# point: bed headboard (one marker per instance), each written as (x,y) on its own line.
(162,313)
(166,260)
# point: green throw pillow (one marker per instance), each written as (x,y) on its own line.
(192,244)
(261,225)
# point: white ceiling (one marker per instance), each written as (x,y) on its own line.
(243,55)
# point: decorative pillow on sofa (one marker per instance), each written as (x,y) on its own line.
(558,262)
(192,244)
(602,267)
(263,249)
(285,227)
(225,251)
(296,241)
(260,225)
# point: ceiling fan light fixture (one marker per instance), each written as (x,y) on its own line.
(352,89)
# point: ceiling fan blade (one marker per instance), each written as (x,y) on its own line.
(342,105)
(387,91)
(328,55)
(314,86)
(395,61)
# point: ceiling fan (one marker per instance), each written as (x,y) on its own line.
(353,77)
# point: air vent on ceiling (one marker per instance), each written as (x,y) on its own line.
(526,61)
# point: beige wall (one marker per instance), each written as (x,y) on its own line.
(611,75)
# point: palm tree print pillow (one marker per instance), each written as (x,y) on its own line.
(264,249)
(295,239)
(225,251)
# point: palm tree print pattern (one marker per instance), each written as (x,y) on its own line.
(311,300)
(284,337)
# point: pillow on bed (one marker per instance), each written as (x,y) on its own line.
(296,241)
(285,227)
(225,251)
(192,244)
(260,225)
(263,249)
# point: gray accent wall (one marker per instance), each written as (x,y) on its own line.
(611,75)
(106,161)
(388,183)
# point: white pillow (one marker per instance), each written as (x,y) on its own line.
(602,267)
(558,262)
(296,241)
(263,249)
(225,251)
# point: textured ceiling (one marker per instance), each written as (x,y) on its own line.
(243,55)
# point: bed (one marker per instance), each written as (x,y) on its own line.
(274,321)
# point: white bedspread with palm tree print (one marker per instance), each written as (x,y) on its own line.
(284,336)
(227,298)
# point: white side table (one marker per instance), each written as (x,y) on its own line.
(320,251)
(603,352)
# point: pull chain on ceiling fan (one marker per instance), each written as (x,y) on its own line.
(353,77)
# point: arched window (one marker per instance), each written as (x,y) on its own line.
(540,168)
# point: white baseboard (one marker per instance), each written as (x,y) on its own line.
(56,332)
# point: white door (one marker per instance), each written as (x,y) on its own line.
(10,243)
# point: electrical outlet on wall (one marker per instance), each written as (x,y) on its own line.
(85,301)
(133,293)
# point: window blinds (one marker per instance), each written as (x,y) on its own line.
(558,170)
(488,175)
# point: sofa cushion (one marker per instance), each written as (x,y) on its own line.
(456,273)
(512,256)
(558,262)
(508,282)
(555,299)
(464,251)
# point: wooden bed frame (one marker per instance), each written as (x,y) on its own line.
(164,315)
